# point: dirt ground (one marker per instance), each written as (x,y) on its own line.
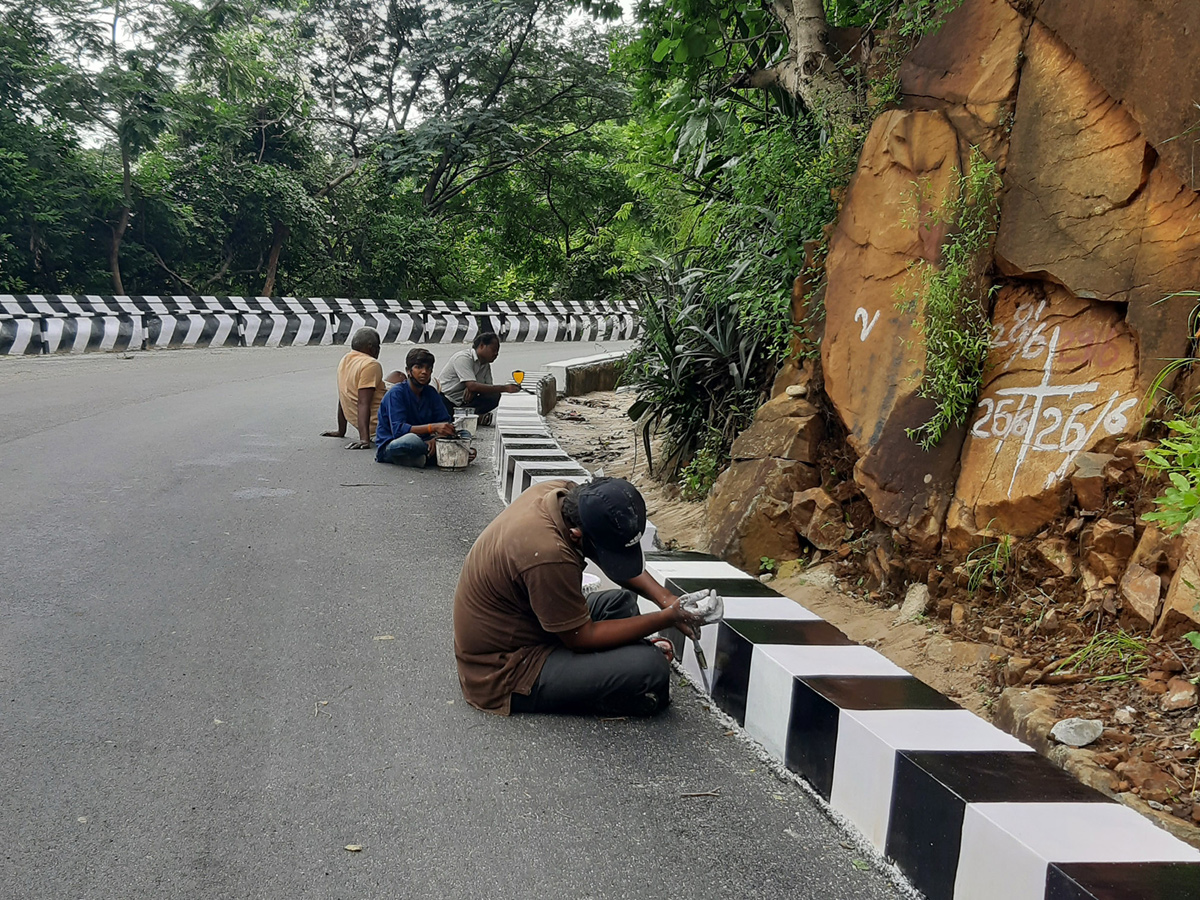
(993,640)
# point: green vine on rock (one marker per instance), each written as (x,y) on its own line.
(951,302)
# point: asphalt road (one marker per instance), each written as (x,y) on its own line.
(225,654)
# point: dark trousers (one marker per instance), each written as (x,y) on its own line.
(632,680)
(482,403)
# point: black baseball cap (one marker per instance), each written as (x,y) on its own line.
(612,517)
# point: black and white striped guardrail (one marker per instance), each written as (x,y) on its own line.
(52,323)
(965,810)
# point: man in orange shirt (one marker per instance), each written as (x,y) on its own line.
(361,387)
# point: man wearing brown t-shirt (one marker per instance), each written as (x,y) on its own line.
(526,639)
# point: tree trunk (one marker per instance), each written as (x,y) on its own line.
(281,233)
(808,72)
(118,230)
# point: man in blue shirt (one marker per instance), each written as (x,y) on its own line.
(412,416)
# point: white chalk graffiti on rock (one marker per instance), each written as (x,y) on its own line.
(867,326)
(1042,427)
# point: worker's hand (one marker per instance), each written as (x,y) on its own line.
(443,429)
(512,388)
(683,620)
(337,434)
(360,445)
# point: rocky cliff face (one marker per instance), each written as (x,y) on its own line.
(1093,123)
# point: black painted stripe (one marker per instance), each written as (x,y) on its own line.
(209,331)
(70,332)
(796,632)
(1003,777)
(730,671)
(726,587)
(10,331)
(262,332)
(930,793)
(878,692)
(291,328)
(527,475)
(1123,881)
(812,737)
(96,329)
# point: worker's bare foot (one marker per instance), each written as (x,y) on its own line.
(471,454)
(665,646)
(337,434)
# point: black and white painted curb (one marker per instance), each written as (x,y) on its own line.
(964,810)
(77,323)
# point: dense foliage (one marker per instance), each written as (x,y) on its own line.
(345,147)
(507,149)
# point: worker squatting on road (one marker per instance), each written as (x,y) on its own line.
(525,637)
(361,386)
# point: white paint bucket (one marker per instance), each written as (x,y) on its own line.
(455,452)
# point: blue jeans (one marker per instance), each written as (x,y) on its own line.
(407,450)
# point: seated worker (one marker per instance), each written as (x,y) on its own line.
(361,387)
(412,416)
(526,639)
(467,377)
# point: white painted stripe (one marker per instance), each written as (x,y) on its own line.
(694,568)
(112,331)
(768,608)
(829,660)
(865,758)
(769,703)
(1007,846)
(225,326)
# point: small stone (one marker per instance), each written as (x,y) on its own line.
(766,577)
(1077,732)
(958,615)
(1050,622)
(1150,686)
(1180,694)
(1088,480)
(1140,588)
(796,390)
(1148,780)
(1015,669)
(1134,450)
(1126,715)
(1057,553)
(916,601)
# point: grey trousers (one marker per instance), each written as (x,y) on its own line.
(632,680)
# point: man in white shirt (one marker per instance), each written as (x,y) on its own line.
(466,379)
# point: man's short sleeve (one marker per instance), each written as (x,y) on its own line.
(464,367)
(370,375)
(556,596)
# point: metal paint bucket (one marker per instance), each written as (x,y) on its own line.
(455,452)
